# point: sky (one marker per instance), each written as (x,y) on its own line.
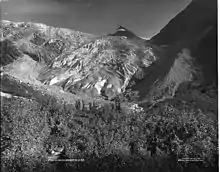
(144,17)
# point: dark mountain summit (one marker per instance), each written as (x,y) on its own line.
(195,28)
(189,25)
(122,31)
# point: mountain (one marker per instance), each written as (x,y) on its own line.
(74,61)
(120,64)
(195,30)
(122,31)
(117,102)
(189,25)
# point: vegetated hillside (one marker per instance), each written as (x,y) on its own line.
(35,135)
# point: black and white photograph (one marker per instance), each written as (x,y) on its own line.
(109,85)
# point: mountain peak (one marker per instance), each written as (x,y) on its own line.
(122,31)
(121,28)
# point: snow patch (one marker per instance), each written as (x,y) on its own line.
(53,81)
(99,85)
(109,86)
(121,30)
(6,95)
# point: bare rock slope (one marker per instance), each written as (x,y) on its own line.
(77,62)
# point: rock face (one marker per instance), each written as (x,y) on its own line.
(77,62)
(116,64)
